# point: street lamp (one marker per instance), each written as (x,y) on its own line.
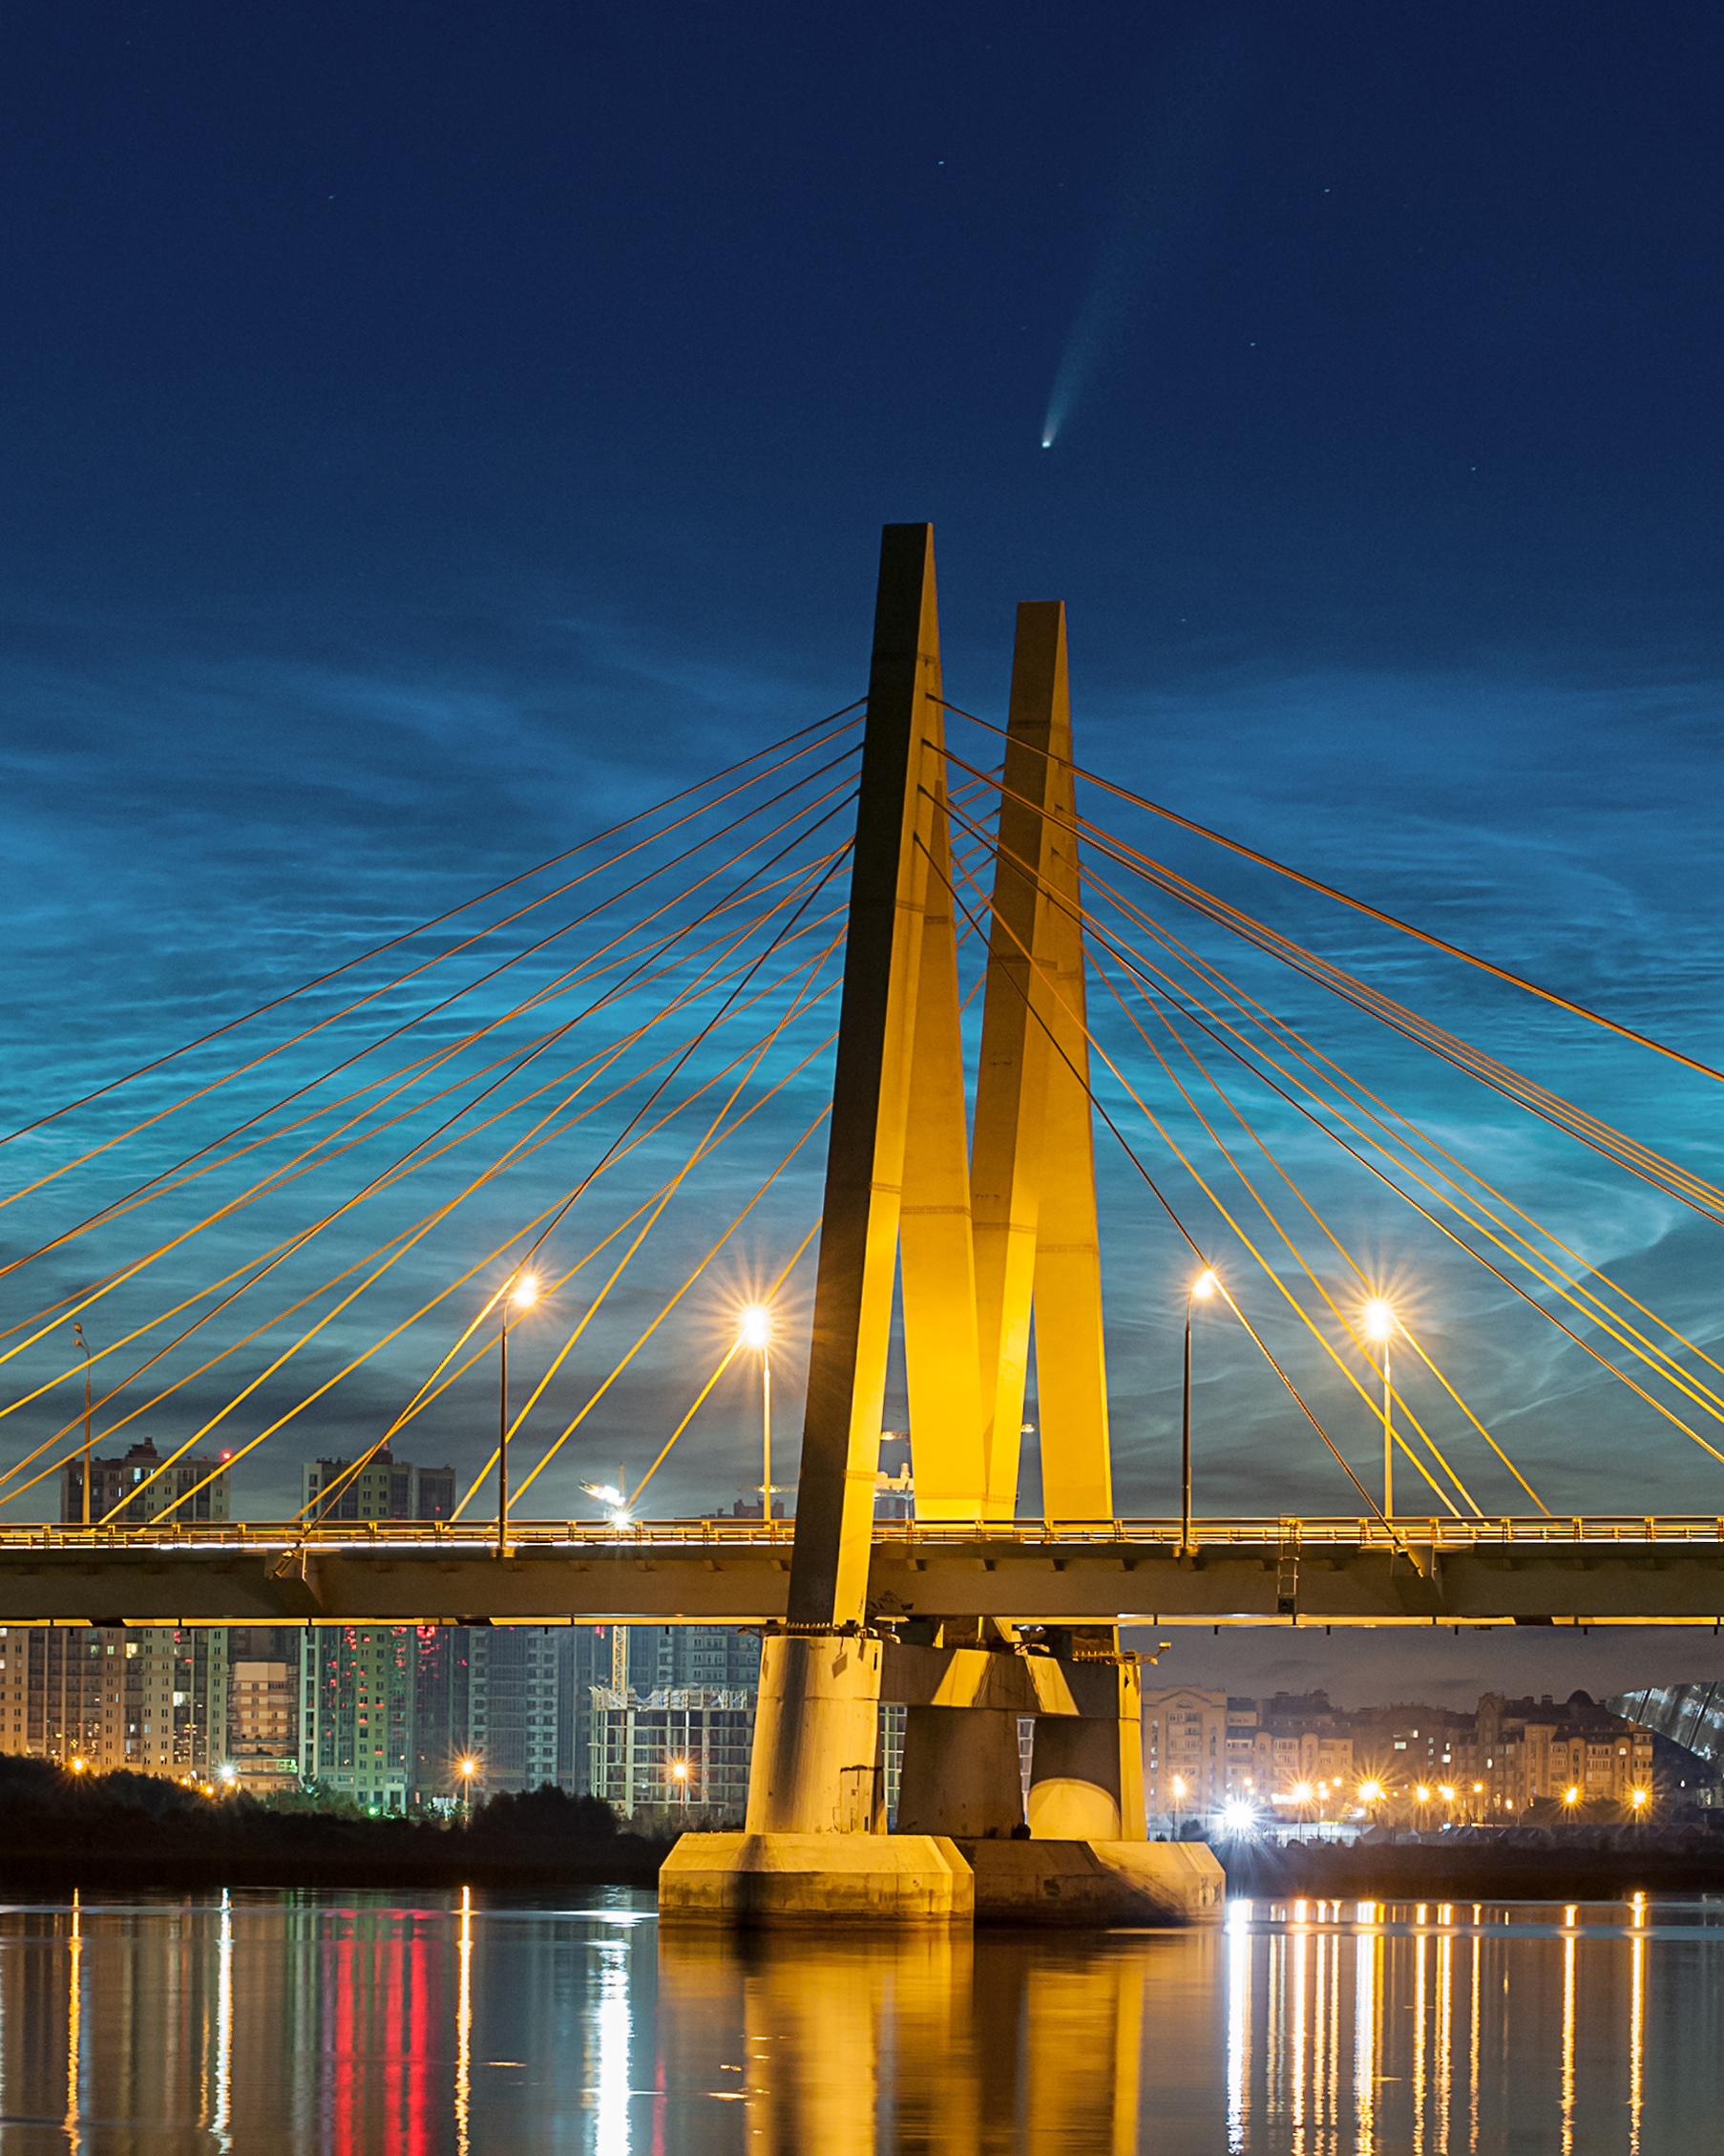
(1571,1797)
(1201,1289)
(678,1774)
(77,1334)
(466,1769)
(756,1331)
(522,1293)
(1379,1325)
(1179,1796)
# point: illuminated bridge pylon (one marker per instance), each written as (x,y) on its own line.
(984,1236)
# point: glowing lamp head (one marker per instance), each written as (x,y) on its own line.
(1371,1791)
(1303,1792)
(524,1294)
(469,1767)
(1637,1799)
(1205,1284)
(754,1329)
(1445,1790)
(1572,1796)
(229,1773)
(681,1770)
(1237,1818)
(1423,1794)
(78,1766)
(1379,1318)
(1179,1786)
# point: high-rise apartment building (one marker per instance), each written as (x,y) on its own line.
(263,1724)
(154,1698)
(360,1686)
(381,1489)
(126,1482)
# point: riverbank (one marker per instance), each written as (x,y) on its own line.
(58,1830)
(1472,1871)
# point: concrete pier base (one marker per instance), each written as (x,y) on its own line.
(1096,1883)
(816,1880)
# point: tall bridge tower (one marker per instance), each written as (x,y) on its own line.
(988,1235)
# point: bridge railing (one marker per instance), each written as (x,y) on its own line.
(1332,1531)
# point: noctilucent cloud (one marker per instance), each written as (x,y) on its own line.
(436,435)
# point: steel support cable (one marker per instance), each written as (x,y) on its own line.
(1629,1152)
(377,1182)
(594,1065)
(1461,1245)
(400,1080)
(729,1357)
(705,1146)
(1424,1147)
(1616,1145)
(1125,956)
(431,1390)
(1420,1145)
(500,1165)
(553,1449)
(1191,1168)
(1358,905)
(545,1230)
(1293,1248)
(480,981)
(268,1259)
(423,927)
(59,1309)
(1514,1287)
(1166,1207)
(550,1216)
(1346,1257)
(804,1002)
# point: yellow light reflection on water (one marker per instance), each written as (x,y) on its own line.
(74,2027)
(1568,1947)
(464,2026)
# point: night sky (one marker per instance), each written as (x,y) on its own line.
(433,434)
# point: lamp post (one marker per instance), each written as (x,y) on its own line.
(1201,1288)
(756,1331)
(77,1334)
(1379,1325)
(522,1293)
(678,1774)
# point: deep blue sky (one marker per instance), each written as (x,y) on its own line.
(430,432)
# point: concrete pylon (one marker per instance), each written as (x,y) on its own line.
(808,1853)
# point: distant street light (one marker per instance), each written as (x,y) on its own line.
(756,1331)
(1379,1325)
(467,1769)
(77,1334)
(1201,1289)
(678,1774)
(522,1293)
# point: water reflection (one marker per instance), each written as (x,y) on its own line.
(293,2024)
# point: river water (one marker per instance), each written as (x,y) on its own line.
(279,2025)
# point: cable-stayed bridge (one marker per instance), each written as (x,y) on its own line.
(576,1122)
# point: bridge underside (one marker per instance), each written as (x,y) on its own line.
(1534,1571)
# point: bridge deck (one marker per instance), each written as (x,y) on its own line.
(1614,1568)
